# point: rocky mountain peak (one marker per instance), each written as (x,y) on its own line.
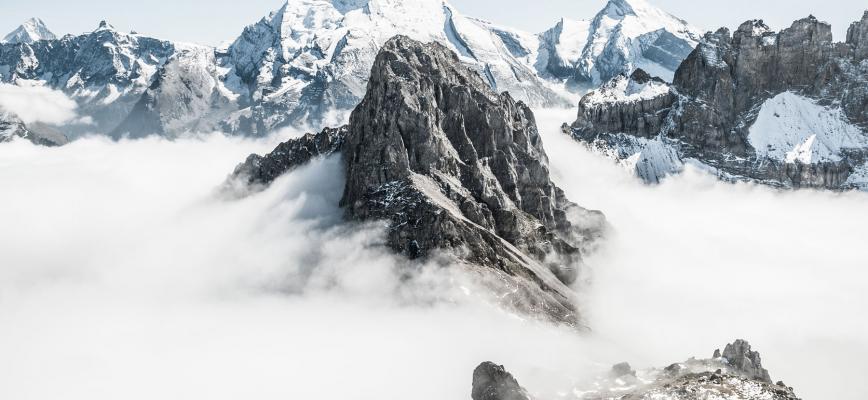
(454,168)
(755,27)
(740,356)
(32,30)
(105,26)
(857,37)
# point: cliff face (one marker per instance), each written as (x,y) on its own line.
(455,168)
(788,109)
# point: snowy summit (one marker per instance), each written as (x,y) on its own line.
(32,30)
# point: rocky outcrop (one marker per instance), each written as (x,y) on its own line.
(454,168)
(259,171)
(629,105)
(493,382)
(12,127)
(736,375)
(739,355)
(857,38)
(726,102)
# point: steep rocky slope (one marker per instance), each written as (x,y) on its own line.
(454,168)
(736,374)
(788,109)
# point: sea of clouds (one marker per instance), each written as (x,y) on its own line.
(124,273)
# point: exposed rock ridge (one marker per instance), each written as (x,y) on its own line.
(12,127)
(719,91)
(259,170)
(453,167)
(737,374)
(493,382)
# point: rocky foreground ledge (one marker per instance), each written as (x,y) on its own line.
(454,168)
(735,374)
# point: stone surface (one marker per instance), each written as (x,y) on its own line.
(454,168)
(739,355)
(259,171)
(493,382)
(718,92)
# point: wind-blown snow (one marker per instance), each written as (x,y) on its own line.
(792,128)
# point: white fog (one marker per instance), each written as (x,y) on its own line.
(123,274)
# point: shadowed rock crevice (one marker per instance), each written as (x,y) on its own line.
(457,168)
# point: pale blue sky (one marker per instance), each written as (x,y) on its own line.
(213,21)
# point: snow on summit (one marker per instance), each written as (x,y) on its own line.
(32,30)
(623,36)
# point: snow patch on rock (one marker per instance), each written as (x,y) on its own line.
(796,129)
(622,89)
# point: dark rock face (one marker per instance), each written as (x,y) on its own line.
(739,355)
(719,90)
(857,37)
(493,382)
(455,168)
(260,171)
(643,117)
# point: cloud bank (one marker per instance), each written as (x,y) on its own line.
(38,104)
(123,275)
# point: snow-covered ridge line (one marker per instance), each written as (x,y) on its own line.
(308,62)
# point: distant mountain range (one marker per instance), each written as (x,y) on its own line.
(309,62)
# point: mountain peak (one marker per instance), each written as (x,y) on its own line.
(625,7)
(32,30)
(435,152)
(105,26)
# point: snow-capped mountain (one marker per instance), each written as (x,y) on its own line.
(311,58)
(32,30)
(784,108)
(308,62)
(625,35)
(105,71)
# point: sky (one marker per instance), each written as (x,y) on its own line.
(222,20)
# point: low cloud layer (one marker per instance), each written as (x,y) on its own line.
(38,104)
(695,263)
(123,275)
